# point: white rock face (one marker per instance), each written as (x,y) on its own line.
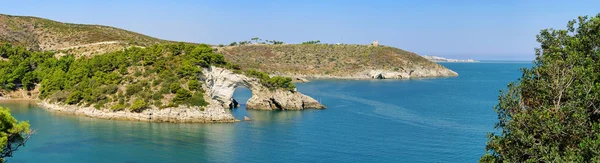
(418,73)
(282,100)
(180,114)
(382,74)
(221,84)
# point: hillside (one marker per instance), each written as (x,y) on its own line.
(44,34)
(332,61)
(162,82)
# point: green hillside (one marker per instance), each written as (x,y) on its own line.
(324,59)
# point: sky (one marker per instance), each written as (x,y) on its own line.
(483,30)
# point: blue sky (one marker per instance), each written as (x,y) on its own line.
(499,30)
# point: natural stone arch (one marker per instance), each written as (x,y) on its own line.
(221,84)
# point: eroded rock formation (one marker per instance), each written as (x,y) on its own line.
(221,84)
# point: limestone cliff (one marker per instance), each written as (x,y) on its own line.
(221,84)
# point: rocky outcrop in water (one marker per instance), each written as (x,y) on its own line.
(221,84)
(281,100)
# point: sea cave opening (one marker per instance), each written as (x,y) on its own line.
(241,94)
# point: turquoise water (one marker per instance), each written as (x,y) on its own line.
(426,120)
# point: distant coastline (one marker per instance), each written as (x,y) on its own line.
(442,59)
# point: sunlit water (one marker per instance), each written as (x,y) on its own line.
(426,120)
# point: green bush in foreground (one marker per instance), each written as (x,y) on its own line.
(552,114)
(13,133)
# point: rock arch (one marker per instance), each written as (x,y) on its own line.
(221,83)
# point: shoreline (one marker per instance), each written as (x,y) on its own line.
(365,78)
(170,115)
(18,99)
(373,75)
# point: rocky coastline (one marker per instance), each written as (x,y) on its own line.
(376,74)
(219,84)
(182,114)
(442,59)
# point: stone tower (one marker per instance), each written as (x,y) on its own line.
(375,43)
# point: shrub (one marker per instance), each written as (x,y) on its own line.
(138,105)
(164,90)
(174,87)
(158,103)
(60,96)
(100,104)
(281,82)
(132,89)
(118,107)
(551,113)
(14,133)
(197,100)
(181,96)
(157,96)
(193,85)
(137,73)
(74,98)
(312,42)
(272,83)
(157,82)
(109,89)
(232,66)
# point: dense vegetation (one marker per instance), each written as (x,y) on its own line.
(312,42)
(324,59)
(13,133)
(552,114)
(163,75)
(272,82)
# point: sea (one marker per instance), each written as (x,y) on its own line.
(416,120)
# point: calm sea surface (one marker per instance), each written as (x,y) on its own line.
(424,120)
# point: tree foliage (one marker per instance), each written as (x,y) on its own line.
(13,133)
(552,114)
(116,80)
(96,80)
(312,42)
(138,105)
(272,82)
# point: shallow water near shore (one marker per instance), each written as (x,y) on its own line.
(419,120)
